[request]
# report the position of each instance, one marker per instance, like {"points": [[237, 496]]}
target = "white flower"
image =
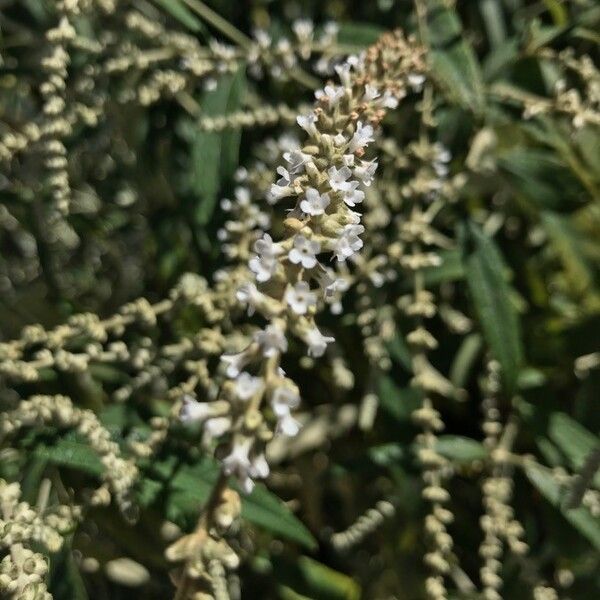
{"points": [[362, 136], [314, 203], [286, 177], [300, 298], [330, 94], [304, 252], [338, 178], [265, 263], [247, 385], [303, 28], [307, 122], [371, 92], [237, 463], [348, 243], [288, 426], [283, 399], [216, 427], [259, 467], [416, 81], [265, 246], [296, 159], [271, 340], [242, 195], [277, 192], [249, 294], [192, 411], [343, 72], [366, 171], [316, 342], [263, 266], [388, 100], [235, 363], [262, 37], [353, 196]]}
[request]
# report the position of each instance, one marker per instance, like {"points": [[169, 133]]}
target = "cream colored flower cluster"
{"points": [[22, 528], [323, 184]]}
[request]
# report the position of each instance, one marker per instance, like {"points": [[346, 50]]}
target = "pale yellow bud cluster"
{"points": [[364, 526], [23, 570], [120, 474]]}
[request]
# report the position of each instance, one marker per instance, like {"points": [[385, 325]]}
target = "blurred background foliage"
{"points": [[146, 184]]}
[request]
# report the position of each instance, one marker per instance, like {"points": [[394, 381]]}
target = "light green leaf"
{"points": [[71, 454], [453, 59], [460, 449], [575, 441], [214, 155], [264, 509], [498, 318], [580, 518], [183, 14], [465, 359], [358, 34]]}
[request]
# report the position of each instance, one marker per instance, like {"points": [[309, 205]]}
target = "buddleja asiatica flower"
{"points": [[289, 280]]}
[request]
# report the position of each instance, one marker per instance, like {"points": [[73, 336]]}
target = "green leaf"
{"points": [[264, 509], [491, 293], [465, 359], [72, 454], [183, 14], [580, 518], [186, 489], [460, 449], [214, 155], [575, 441], [398, 402], [65, 580], [308, 578], [453, 59], [359, 34]]}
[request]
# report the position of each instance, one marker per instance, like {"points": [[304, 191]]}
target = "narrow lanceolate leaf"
{"points": [[185, 489], [576, 442], [182, 13], [460, 449], [453, 59], [491, 293], [214, 155], [580, 518]]}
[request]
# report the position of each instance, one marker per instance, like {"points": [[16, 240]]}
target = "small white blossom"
{"points": [[371, 92], [277, 192], [300, 298], [266, 247], [362, 136], [249, 294], [263, 266], [304, 252], [271, 340], [343, 72], [388, 100], [314, 203], [330, 94], [296, 159], [247, 385], [237, 463], [235, 363], [366, 171], [216, 427], [307, 122], [192, 411], [348, 243], [353, 196], [338, 178], [416, 81], [316, 342]]}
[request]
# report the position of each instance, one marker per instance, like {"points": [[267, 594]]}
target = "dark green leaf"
{"points": [[453, 59], [491, 293], [179, 11], [460, 449], [580, 518]]}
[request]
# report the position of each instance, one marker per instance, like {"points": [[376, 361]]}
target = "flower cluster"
{"points": [[324, 182]]}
